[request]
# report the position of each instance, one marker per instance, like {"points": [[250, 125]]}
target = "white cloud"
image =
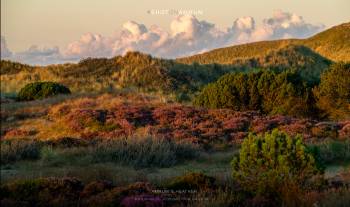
{"points": [[287, 25], [5, 52], [39, 55], [246, 24], [89, 45], [187, 36]]}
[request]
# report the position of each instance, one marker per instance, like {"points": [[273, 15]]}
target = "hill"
{"points": [[133, 70], [147, 73], [332, 44]]}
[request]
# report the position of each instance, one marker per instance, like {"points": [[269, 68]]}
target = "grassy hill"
{"points": [[133, 70], [333, 44], [146, 73]]}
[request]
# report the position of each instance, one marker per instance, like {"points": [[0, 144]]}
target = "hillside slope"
{"points": [[332, 44], [133, 70]]}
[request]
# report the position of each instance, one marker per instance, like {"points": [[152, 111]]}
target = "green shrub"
{"points": [[40, 90], [272, 93], [333, 93], [268, 163]]}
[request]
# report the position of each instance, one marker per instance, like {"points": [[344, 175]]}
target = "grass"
{"points": [[333, 151], [73, 158], [138, 152], [15, 150], [73, 162]]}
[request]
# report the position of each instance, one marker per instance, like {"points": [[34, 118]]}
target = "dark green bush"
{"points": [[333, 93], [272, 93], [40, 90], [268, 164]]}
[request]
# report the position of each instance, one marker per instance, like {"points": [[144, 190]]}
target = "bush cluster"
{"points": [[40, 90], [282, 93], [268, 163], [333, 93], [273, 93]]}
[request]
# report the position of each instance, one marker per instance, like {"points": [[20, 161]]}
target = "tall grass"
{"points": [[15, 150], [143, 152], [332, 151], [134, 151]]}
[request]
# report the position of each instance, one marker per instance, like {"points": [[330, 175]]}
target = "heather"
{"points": [[120, 115]]}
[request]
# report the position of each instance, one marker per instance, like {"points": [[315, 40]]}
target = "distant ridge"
{"points": [[333, 44]]}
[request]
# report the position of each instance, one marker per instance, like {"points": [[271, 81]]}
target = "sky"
{"points": [[55, 31]]}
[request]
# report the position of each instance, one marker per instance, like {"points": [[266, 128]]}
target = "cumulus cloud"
{"points": [[187, 36], [89, 45], [36, 55], [285, 25], [5, 52], [245, 24]]}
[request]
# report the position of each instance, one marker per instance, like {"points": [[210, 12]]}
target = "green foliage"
{"points": [[268, 162], [191, 181], [269, 92], [40, 90], [333, 93]]}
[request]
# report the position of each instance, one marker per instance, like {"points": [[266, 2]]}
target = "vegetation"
{"points": [[333, 93], [332, 43], [16, 150], [127, 114], [136, 152], [331, 151], [191, 181], [271, 93], [270, 162], [277, 107], [9, 67], [40, 90]]}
